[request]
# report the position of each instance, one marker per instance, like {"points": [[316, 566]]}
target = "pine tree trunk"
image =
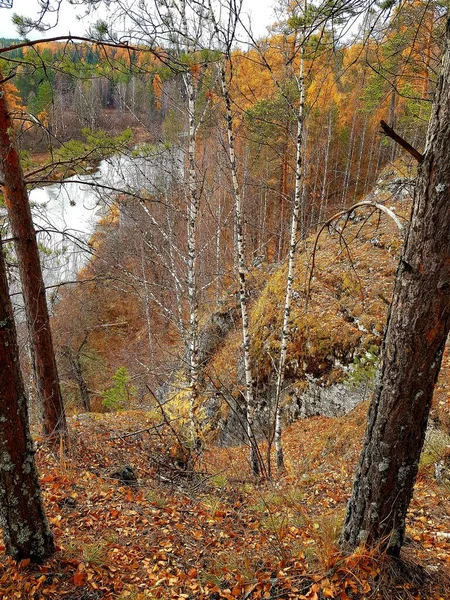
{"points": [[25, 529], [417, 327], [17, 204]]}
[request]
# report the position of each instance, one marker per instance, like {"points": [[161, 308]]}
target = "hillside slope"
{"points": [[132, 519], [340, 301], [213, 533]]}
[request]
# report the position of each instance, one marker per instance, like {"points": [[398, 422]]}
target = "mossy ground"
{"points": [[338, 310]]}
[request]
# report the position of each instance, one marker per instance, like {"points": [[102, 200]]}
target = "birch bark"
{"points": [[296, 213], [192, 217], [243, 296]]}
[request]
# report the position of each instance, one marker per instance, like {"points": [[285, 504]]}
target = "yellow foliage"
{"points": [[43, 117], [13, 98], [157, 90]]}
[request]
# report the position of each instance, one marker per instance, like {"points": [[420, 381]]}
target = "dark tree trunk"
{"points": [[25, 529], [74, 361], [416, 331], [84, 392], [16, 200]]}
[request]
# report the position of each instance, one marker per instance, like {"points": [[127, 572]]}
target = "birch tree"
{"points": [[181, 27], [295, 219], [192, 217], [225, 38], [243, 294]]}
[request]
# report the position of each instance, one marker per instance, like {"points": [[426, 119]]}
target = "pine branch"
{"points": [[400, 141]]}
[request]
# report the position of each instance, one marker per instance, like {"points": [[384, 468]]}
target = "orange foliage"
{"points": [[157, 90], [13, 98]]}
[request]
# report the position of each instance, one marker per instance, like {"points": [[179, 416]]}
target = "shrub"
{"points": [[119, 394], [364, 368]]}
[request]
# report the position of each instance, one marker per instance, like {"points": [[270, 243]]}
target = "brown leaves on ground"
{"points": [[215, 533]]}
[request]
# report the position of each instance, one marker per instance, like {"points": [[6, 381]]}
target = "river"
{"points": [[66, 213]]}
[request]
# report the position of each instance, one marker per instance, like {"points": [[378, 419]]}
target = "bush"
{"points": [[119, 395], [364, 368]]}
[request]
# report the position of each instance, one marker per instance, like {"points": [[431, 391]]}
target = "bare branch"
{"points": [[347, 212], [400, 141]]}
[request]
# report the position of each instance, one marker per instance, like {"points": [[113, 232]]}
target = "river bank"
{"points": [[66, 212]]}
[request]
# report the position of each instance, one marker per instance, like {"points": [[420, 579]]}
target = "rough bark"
{"points": [[17, 204], [25, 529], [417, 327], [74, 360]]}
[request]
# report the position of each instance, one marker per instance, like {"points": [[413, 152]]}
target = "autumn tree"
{"points": [[19, 212], [417, 327], [297, 210], [225, 35], [25, 529]]}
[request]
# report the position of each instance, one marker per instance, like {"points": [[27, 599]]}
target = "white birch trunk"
{"points": [[281, 231], [193, 205], [296, 212], [303, 226], [192, 261], [218, 255], [240, 254]]}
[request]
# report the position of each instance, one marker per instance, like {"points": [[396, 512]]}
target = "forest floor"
{"points": [[217, 533]]}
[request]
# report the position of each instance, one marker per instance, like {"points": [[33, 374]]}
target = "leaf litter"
{"points": [[215, 532]]}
